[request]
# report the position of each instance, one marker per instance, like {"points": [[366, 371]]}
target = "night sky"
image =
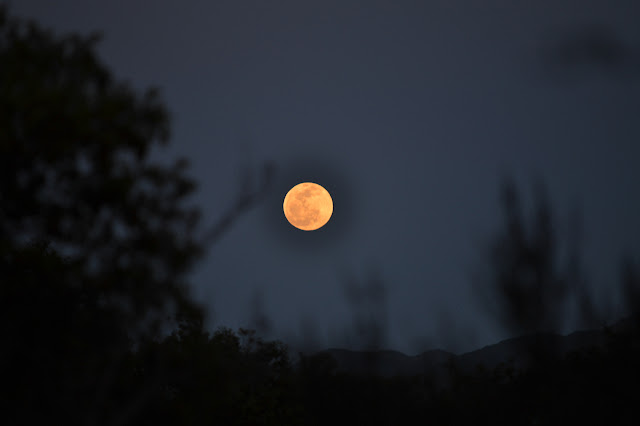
{"points": [[409, 113]]}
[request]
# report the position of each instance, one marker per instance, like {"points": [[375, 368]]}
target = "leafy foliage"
{"points": [[75, 171], [95, 242], [95, 239]]}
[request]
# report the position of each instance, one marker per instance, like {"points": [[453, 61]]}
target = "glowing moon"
{"points": [[308, 206]]}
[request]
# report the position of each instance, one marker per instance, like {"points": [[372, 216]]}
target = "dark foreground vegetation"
{"points": [[97, 326]]}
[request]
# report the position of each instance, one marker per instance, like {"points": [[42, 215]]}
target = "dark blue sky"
{"points": [[409, 113]]}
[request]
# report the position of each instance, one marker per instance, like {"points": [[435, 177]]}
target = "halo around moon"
{"points": [[308, 206]]}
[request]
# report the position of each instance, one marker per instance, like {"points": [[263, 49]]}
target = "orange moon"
{"points": [[308, 206]]}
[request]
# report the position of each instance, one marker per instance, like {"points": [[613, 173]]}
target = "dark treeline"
{"points": [[97, 326]]}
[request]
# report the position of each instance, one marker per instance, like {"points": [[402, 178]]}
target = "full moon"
{"points": [[308, 206]]}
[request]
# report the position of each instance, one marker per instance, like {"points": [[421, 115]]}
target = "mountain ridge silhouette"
{"points": [[516, 352]]}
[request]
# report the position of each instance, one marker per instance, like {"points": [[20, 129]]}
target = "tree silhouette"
{"points": [[95, 237], [75, 172], [529, 286]]}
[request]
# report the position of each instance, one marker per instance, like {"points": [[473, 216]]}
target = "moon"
{"points": [[308, 206]]}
